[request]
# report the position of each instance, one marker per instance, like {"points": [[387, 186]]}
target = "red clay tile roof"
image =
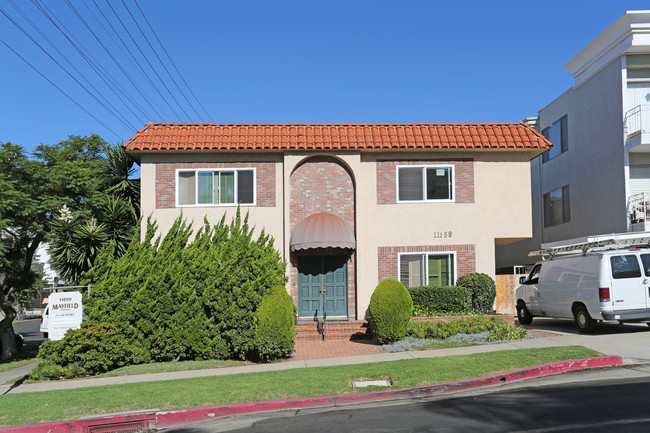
{"points": [[335, 136]]}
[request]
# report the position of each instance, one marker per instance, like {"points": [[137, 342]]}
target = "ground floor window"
{"points": [[424, 269]]}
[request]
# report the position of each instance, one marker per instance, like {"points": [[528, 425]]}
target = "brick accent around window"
{"points": [[387, 178], [322, 184], [389, 256], [166, 180]]}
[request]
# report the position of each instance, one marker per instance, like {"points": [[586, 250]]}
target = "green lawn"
{"points": [[166, 367], [29, 408], [24, 357]]}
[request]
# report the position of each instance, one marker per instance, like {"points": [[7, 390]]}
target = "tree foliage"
{"points": [[186, 295], [32, 190], [108, 218]]}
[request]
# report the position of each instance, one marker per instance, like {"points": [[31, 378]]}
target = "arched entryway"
{"points": [[322, 245]]}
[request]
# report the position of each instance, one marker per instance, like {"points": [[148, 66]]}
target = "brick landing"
{"points": [[306, 349]]}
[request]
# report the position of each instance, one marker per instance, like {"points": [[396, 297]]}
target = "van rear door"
{"points": [[628, 288], [645, 262]]}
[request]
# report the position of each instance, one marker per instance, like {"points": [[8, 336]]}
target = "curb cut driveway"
{"points": [[175, 418]]}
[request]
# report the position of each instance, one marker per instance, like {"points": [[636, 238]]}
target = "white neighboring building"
{"points": [[596, 179], [41, 261]]}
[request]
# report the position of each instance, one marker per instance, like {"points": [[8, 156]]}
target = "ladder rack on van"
{"points": [[593, 243]]}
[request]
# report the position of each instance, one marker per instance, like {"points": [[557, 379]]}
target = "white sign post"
{"points": [[66, 313]]}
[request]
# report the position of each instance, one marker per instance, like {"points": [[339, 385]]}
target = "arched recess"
{"points": [[323, 279]]}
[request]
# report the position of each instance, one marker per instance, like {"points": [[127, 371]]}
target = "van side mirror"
{"points": [[522, 280]]}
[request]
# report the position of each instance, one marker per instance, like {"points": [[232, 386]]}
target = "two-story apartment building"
{"points": [[596, 178], [350, 204]]}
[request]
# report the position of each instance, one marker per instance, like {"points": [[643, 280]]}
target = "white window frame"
{"points": [[218, 169], [426, 262], [452, 175]]}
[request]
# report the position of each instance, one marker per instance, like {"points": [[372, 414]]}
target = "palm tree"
{"points": [[77, 237]]}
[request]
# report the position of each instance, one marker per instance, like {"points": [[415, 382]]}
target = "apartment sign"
{"points": [[66, 313]]}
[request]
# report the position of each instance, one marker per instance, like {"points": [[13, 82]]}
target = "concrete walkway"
{"points": [[606, 344]]}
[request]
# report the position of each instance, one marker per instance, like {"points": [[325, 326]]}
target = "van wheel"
{"points": [[583, 320], [523, 315]]}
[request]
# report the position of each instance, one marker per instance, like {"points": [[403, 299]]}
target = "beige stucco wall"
{"points": [[501, 210], [501, 207], [268, 218]]}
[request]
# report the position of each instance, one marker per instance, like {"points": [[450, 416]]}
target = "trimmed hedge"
{"points": [[483, 289], [390, 310], [275, 326], [441, 299]]}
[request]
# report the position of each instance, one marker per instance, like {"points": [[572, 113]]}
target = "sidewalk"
{"points": [[308, 354]]}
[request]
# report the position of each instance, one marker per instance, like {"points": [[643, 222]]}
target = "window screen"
{"points": [[410, 183], [186, 188], [439, 183], [245, 186]]}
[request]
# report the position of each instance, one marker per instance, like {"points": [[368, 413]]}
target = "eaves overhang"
{"points": [[630, 34]]}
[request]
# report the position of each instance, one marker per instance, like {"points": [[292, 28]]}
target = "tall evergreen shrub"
{"points": [[275, 326], [185, 296]]}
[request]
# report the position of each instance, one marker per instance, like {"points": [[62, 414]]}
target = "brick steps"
{"points": [[335, 330]]}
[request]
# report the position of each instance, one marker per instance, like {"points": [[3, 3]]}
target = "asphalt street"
{"points": [[577, 402], [30, 330]]}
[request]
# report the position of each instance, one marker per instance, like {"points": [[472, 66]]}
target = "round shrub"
{"points": [[390, 310], [95, 348], [483, 289], [275, 326]]}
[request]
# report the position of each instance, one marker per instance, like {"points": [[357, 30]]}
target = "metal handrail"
{"points": [[637, 208], [637, 119]]}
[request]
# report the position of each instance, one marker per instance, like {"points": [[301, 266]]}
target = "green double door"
{"points": [[322, 286]]}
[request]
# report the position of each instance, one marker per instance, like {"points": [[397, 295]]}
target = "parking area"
{"points": [[630, 341]]}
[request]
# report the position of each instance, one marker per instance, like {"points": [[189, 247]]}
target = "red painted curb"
{"points": [[175, 418]]}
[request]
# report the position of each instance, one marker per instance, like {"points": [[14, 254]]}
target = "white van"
{"points": [[601, 279], [45, 322]]}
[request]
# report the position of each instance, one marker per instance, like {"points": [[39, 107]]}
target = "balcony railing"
{"points": [[638, 208], [637, 120]]}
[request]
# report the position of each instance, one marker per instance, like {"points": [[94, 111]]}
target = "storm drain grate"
{"points": [[122, 427]]}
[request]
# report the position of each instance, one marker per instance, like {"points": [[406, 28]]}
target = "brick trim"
{"points": [[322, 184], [388, 258], [387, 178], [166, 180]]}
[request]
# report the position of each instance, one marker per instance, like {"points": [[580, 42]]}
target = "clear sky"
{"points": [[288, 61]]}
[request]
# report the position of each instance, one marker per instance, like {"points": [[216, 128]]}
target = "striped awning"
{"points": [[322, 230]]}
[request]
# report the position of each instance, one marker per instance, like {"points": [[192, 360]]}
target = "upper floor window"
{"points": [[227, 186], [425, 183], [557, 134], [556, 207]]}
